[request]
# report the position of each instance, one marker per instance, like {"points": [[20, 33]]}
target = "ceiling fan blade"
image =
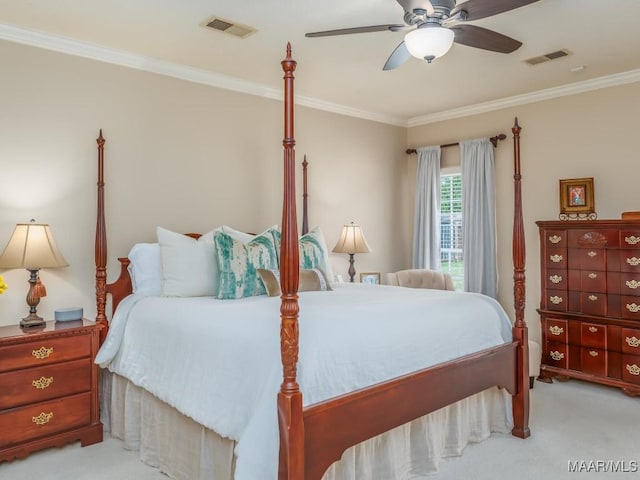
{"points": [[411, 5], [346, 31], [398, 57], [485, 39], [477, 9]]}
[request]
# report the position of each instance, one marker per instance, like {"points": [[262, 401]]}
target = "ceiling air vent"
{"points": [[232, 28], [547, 56]]}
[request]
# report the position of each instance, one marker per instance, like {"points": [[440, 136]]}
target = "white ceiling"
{"points": [[346, 71]]}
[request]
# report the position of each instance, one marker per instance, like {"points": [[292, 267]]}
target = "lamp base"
{"points": [[32, 321]]}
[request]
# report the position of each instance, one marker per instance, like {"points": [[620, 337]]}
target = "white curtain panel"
{"points": [[426, 220], [478, 216]]}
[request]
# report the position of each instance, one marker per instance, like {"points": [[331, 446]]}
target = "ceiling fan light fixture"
{"points": [[429, 42]]}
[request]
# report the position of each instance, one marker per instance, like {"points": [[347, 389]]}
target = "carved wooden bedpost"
{"points": [[305, 212], [521, 399], [290, 420], [101, 245]]}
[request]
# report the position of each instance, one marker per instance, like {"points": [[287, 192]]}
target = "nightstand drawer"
{"points": [[43, 383], [46, 418], [44, 352]]}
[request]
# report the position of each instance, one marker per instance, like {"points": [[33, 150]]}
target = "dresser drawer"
{"points": [[630, 307], [594, 361], [593, 335], [37, 384], [27, 423], [587, 259], [556, 258], [557, 355], [631, 368], [44, 352], [629, 261], [593, 281], [629, 238], [556, 330], [593, 303], [630, 283], [555, 238], [630, 341], [556, 279], [556, 300]]}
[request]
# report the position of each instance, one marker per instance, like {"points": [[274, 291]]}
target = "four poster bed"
{"points": [[344, 426]]}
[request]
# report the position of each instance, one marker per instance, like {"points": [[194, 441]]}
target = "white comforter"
{"points": [[218, 361]]}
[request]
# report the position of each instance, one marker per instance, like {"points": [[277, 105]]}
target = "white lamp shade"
{"points": [[427, 43], [32, 247], [351, 240]]}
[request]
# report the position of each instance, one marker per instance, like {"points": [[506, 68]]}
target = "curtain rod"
{"points": [[493, 140]]}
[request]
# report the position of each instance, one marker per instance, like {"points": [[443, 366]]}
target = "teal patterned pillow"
{"points": [[314, 252], [238, 264]]}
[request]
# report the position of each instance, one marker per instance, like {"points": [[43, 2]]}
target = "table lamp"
{"points": [[351, 241], [32, 247]]}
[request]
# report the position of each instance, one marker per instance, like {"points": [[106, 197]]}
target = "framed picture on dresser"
{"points": [[577, 196]]}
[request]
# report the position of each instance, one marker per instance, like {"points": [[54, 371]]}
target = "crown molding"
{"points": [[614, 80], [182, 72]]}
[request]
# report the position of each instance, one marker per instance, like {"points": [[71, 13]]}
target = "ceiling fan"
{"points": [[438, 24]]}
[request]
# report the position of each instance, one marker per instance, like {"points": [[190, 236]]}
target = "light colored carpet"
{"points": [[570, 422]]}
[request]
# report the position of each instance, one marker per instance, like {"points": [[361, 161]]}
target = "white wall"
{"points": [[178, 154]]}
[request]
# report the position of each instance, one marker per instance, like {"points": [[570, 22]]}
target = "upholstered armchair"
{"points": [[418, 278], [423, 278]]}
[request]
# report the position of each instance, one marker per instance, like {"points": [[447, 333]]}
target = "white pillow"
{"points": [[145, 269], [189, 267], [243, 236]]}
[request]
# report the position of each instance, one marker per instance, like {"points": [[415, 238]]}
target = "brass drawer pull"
{"points": [[42, 383], [555, 239], [632, 240], [632, 342], [557, 258], [593, 276], [593, 298], [555, 300], [555, 279], [633, 261], [593, 329], [633, 284], [633, 369], [633, 308], [555, 330], [556, 355], [592, 254], [42, 418], [42, 353], [593, 353]]}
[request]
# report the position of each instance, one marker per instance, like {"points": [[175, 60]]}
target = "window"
{"points": [[451, 254]]}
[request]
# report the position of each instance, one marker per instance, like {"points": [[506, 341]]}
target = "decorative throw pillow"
{"points": [[247, 237], [310, 281], [145, 269], [314, 252], [239, 262], [188, 265]]}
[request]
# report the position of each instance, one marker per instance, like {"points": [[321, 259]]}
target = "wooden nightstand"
{"points": [[48, 387]]}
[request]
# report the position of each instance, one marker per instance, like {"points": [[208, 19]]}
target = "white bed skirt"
{"points": [[185, 450]]}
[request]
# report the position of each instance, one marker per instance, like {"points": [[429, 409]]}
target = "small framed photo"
{"points": [[372, 278], [576, 196]]}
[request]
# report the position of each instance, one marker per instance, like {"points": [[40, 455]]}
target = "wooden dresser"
{"points": [[48, 387], [590, 305]]}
